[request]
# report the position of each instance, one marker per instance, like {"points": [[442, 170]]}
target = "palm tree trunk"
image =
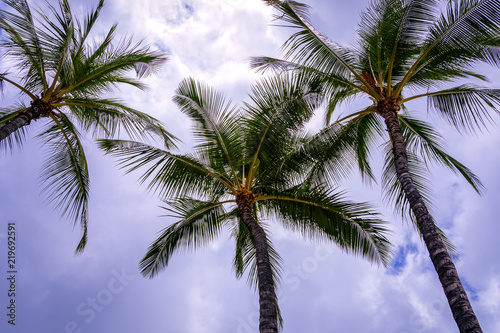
{"points": [[268, 321], [457, 297], [36, 111]]}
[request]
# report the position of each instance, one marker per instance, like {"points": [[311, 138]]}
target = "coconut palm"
{"points": [[407, 50], [62, 74], [250, 164]]}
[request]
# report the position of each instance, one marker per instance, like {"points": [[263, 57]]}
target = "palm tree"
{"points": [[63, 74], [249, 164], [407, 50]]}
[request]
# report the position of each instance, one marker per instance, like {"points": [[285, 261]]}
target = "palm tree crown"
{"points": [[407, 50], [250, 164], [63, 74]]}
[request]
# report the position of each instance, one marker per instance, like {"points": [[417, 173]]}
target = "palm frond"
{"points": [[22, 42], [100, 72], [322, 214], [412, 25], [4, 79], [337, 97], [466, 107], [326, 157], [87, 57], [200, 222], [445, 67], [491, 51], [280, 107], [367, 129], [308, 46], [335, 150], [88, 23], [469, 26], [106, 117], [279, 66], [65, 173], [217, 125], [464, 23], [167, 174], [390, 32], [276, 66], [422, 140], [336, 88]]}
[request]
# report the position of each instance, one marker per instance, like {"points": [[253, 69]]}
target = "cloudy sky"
{"points": [[323, 289]]}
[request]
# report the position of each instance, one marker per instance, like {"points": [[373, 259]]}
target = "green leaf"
{"points": [[200, 222], [466, 107], [167, 174], [308, 46], [107, 117], [322, 214], [390, 31], [217, 126], [65, 174], [465, 31], [280, 107], [423, 140]]}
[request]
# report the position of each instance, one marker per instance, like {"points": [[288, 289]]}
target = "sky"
{"points": [[322, 290]]}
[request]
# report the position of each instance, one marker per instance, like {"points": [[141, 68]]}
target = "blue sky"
{"points": [[323, 289]]}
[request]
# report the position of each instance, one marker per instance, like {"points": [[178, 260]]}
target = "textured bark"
{"points": [[37, 110], [268, 321], [457, 297]]}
